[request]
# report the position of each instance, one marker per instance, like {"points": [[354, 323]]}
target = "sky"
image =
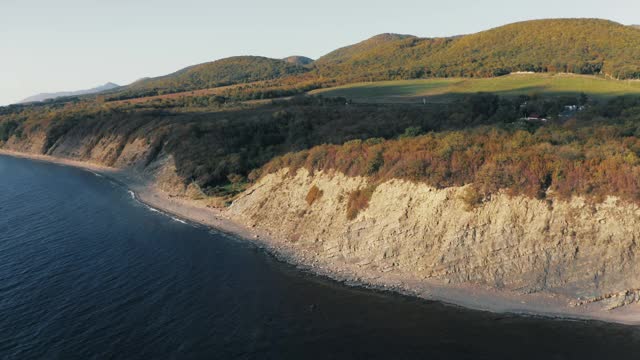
{"points": [[63, 45]]}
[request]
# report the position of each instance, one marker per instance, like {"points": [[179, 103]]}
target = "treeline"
{"points": [[262, 91], [193, 102]]}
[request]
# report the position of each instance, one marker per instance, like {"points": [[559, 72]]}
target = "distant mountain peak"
{"points": [[50, 96], [390, 37], [298, 60]]}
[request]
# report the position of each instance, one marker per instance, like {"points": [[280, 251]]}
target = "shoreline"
{"points": [[468, 296]]}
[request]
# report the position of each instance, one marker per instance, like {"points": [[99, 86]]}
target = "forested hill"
{"points": [[375, 45], [229, 71], [581, 46], [584, 46]]}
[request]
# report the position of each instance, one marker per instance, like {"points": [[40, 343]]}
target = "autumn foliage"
{"points": [[359, 200], [554, 161], [314, 194]]}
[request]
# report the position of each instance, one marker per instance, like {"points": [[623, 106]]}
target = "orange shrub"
{"points": [[359, 200], [593, 161], [314, 194]]}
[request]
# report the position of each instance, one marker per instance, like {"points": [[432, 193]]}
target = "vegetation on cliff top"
{"points": [[595, 155]]}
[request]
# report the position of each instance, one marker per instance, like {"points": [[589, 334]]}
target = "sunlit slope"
{"points": [[442, 90], [581, 46], [229, 71]]}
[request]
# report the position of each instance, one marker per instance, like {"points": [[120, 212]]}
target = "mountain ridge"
{"points": [[579, 46], [583, 46], [222, 72], [49, 96]]}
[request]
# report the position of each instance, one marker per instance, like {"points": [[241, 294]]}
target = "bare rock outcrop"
{"points": [[574, 248]]}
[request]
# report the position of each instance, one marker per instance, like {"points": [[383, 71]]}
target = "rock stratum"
{"points": [[581, 252], [586, 252]]}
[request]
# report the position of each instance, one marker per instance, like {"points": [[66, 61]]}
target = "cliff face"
{"points": [[32, 144], [571, 248], [113, 150], [133, 153]]}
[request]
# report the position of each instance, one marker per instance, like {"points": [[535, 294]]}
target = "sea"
{"points": [[89, 272]]}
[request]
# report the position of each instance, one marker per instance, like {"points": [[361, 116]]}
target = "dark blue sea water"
{"points": [[87, 272]]}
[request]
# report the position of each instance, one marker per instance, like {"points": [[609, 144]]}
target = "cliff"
{"points": [[581, 251], [130, 152]]}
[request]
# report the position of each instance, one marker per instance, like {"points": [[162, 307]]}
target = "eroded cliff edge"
{"points": [[583, 251]]}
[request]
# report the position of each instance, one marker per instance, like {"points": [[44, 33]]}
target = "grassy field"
{"points": [[444, 90]]}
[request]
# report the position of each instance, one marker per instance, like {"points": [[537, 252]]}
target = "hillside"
{"points": [[582, 46], [229, 71], [47, 96], [378, 44], [579, 46]]}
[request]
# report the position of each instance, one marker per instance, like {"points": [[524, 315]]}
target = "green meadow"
{"points": [[444, 90]]}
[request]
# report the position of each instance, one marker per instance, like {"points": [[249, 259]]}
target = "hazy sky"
{"points": [[48, 45]]}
